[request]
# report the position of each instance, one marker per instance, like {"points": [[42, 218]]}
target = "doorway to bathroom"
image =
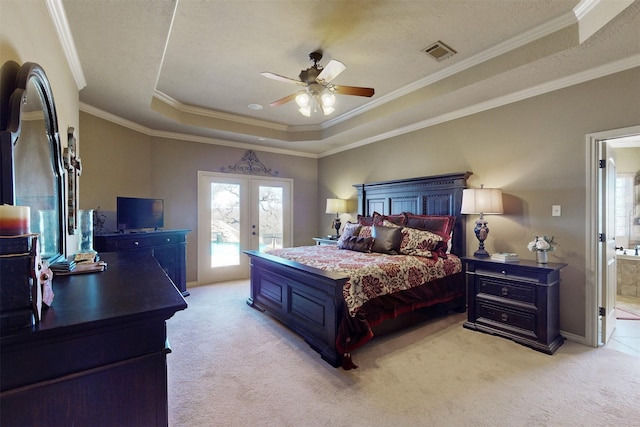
{"points": [[603, 149]]}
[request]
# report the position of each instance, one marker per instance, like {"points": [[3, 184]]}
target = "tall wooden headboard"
{"points": [[429, 195]]}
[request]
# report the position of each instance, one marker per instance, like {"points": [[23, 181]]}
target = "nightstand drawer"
{"points": [[506, 319], [506, 270], [507, 289]]}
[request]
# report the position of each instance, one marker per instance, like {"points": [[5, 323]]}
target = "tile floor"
{"points": [[626, 337]]}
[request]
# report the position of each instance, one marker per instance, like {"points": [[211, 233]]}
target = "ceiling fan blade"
{"points": [[353, 90], [331, 71], [282, 78], [284, 100]]}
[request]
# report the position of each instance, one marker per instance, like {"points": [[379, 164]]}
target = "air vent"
{"points": [[439, 51]]}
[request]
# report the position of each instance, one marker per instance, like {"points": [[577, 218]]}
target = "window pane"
{"points": [[225, 224], [270, 216]]}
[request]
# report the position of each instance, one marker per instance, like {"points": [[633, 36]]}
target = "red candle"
{"points": [[14, 220]]}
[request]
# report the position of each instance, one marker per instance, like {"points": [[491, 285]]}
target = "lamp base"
{"points": [[337, 224], [481, 231], [481, 253]]}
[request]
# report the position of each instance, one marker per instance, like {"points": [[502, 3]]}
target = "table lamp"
{"points": [[481, 201], [336, 206]]}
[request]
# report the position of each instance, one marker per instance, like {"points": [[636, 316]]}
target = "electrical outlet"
{"points": [[556, 210]]}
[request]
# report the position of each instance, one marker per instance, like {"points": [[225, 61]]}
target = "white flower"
{"points": [[541, 243]]}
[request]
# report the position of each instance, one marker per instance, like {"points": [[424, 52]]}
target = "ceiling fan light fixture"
{"points": [[305, 111], [327, 110], [302, 100], [328, 99]]}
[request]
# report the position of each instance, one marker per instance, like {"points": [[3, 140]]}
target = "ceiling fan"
{"points": [[317, 82]]}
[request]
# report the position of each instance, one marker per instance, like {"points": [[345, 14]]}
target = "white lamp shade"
{"points": [[302, 99], [336, 206], [482, 201]]}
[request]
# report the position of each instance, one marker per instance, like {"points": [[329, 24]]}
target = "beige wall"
{"points": [[627, 159], [27, 34], [121, 162], [534, 150]]}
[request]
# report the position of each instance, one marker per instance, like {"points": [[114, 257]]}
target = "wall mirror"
{"points": [[32, 173]]}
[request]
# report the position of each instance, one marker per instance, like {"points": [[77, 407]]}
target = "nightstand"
{"points": [[519, 301], [325, 241]]}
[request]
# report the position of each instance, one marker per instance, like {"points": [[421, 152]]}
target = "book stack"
{"points": [[63, 266], [505, 257]]}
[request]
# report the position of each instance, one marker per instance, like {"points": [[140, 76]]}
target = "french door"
{"points": [[607, 253], [238, 213]]}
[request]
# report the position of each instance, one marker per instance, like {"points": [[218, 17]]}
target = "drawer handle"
{"points": [[505, 317], [504, 272], [168, 239], [136, 243], [505, 291]]}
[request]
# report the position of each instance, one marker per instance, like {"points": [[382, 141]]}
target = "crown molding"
{"points": [[59, 18], [186, 137], [218, 115], [584, 76]]}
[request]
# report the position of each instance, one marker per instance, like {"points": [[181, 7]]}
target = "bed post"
{"points": [[361, 198]]}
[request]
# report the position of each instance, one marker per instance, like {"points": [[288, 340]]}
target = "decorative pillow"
{"points": [[365, 220], [355, 243], [388, 223], [419, 242], [386, 240], [398, 219], [365, 231], [442, 225], [350, 230]]}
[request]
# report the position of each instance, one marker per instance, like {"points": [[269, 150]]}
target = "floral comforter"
{"points": [[372, 274]]}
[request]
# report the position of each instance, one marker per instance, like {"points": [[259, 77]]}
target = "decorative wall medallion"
{"points": [[249, 165]]}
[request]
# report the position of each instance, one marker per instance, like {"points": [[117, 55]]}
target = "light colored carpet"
{"points": [[234, 366]]}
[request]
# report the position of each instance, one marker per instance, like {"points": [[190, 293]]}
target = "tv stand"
{"points": [[167, 246]]}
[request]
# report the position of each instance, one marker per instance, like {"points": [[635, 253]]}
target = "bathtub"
{"points": [[630, 254], [628, 272]]}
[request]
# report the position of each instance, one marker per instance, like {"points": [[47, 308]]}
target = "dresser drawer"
{"points": [[512, 290], [167, 240], [125, 244], [506, 318]]}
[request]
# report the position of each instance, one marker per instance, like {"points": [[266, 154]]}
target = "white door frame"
{"points": [[593, 265]]}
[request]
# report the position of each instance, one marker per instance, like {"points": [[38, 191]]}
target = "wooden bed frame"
{"points": [[309, 300]]}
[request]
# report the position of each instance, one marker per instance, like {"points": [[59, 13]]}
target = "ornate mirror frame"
{"points": [[30, 154]]}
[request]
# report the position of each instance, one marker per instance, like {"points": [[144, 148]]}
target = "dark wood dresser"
{"points": [[98, 358], [167, 246], [517, 300]]}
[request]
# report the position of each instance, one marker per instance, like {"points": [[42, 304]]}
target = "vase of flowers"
{"points": [[541, 245]]}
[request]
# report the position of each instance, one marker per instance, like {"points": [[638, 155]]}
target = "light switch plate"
{"points": [[556, 210]]}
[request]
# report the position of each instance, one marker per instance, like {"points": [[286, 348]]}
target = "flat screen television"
{"points": [[134, 213]]}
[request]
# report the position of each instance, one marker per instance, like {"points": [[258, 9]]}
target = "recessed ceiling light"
{"points": [[255, 107]]}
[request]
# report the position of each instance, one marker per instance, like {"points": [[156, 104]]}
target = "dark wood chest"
{"points": [[519, 301], [167, 246]]}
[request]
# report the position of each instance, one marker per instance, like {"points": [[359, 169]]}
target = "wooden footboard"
{"points": [[306, 299]]}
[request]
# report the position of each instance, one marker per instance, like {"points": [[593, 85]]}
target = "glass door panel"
{"points": [[225, 224], [238, 213]]}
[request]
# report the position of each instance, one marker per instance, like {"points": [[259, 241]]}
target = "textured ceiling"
{"points": [[193, 67]]}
